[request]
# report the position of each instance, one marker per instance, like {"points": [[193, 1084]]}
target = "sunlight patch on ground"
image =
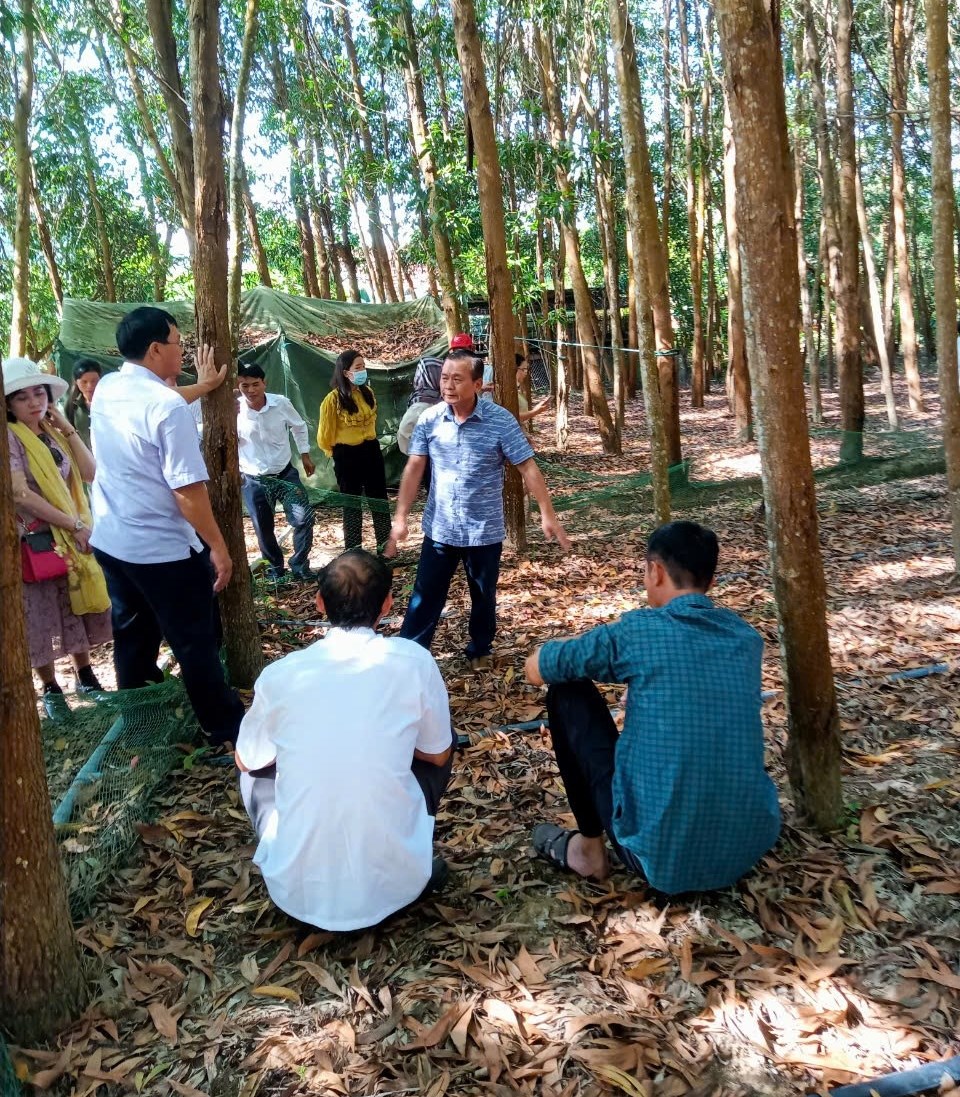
{"points": [[728, 468]]}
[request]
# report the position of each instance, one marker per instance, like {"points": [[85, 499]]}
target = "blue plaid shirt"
{"points": [[691, 798], [465, 505]]}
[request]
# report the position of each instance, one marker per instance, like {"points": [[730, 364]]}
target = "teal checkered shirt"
{"points": [[691, 798]]}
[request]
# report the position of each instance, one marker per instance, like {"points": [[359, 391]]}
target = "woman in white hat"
{"points": [[67, 613]]}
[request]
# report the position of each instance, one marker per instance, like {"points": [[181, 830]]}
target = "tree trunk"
{"points": [[20, 314], [41, 982], [237, 171], [381, 260], [923, 307], [667, 133], [655, 261], [750, 41], [46, 241], [876, 308], [738, 374], [587, 334], [99, 218], [453, 311], [944, 260], [693, 229], [849, 363], [898, 200], [806, 311], [160, 20], [631, 122], [253, 231], [562, 386], [499, 287], [241, 637]]}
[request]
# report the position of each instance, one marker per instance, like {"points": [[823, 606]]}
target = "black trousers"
{"points": [[261, 494], [584, 742], [172, 601], [360, 471]]}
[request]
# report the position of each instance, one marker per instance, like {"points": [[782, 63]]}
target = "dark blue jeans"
{"points": [[438, 562], [261, 494], [172, 601]]}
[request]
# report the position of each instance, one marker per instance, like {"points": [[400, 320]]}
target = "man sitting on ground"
{"points": [[682, 793], [344, 756]]}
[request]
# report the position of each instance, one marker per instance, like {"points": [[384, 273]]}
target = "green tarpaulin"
{"points": [[294, 367]]}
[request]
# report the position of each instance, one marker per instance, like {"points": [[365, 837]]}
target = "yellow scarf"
{"points": [[85, 582]]}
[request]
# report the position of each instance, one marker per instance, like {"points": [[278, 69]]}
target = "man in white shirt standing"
{"points": [[154, 534], [344, 756], [265, 422]]}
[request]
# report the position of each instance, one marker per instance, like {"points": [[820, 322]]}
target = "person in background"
{"points": [[525, 412], [49, 463], [86, 376], [265, 424], [347, 432], [682, 792], [344, 756], [468, 441], [155, 535]]}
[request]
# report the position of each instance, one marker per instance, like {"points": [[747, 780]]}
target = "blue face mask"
{"points": [[360, 377]]}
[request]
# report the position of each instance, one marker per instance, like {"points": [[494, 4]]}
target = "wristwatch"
{"points": [[78, 525]]}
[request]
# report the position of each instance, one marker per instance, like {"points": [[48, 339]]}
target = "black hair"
{"points": [[251, 371], [75, 398], [354, 586], [688, 551], [141, 327], [11, 418], [461, 354], [344, 386], [519, 360]]}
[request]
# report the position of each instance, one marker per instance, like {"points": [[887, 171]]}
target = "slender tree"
{"points": [[499, 285], [750, 40], [944, 258], [241, 637], [20, 318], [628, 84], [738, 375], [235, 258], [41, 984]]}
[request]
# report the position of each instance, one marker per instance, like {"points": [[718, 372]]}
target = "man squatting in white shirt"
{"points": [[264, 421], [343, 804]]}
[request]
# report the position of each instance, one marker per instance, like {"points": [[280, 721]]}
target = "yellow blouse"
{"points": [[345, 428]]}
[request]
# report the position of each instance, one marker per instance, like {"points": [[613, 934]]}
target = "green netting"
{"points": [[9, 1084], [105, 759], [287, 329]]}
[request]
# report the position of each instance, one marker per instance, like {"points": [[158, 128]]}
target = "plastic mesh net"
{"points": [[105, 759]]}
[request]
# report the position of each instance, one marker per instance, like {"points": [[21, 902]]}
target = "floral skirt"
{"points": [[53, 629]]}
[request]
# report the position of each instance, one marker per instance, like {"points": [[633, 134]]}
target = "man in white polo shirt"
{"points": [[155, 536], [265, 422], [344, 756]]}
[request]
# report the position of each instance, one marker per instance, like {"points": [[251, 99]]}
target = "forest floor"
{"points": [[836, 960]]}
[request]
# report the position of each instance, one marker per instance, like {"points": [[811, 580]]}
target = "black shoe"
{"points": [[438, 878], [87, 683], [305, 575]]}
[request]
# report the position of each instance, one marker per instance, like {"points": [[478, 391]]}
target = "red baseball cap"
{"points": [[462, 341]]}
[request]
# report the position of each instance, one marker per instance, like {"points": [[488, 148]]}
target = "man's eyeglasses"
{"points": [[171, 342]]}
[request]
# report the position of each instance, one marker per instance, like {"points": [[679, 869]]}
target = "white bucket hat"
{"points": [[21, 373]]}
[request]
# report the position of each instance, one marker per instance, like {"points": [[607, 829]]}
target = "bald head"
{"points": [[353, 588]]}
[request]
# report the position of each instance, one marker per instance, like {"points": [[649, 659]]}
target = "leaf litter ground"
{"points": [[836, 960]]}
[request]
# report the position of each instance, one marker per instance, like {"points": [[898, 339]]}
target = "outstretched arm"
{"points": [[534, 482]]}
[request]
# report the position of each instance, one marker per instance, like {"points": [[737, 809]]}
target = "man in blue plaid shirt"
{"points": [[682, 793]]}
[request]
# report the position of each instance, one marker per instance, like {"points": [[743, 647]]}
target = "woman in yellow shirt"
{"points": [[348, 433]]}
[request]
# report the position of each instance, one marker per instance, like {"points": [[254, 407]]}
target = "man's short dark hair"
{"points": [[141, 327], [251, 371], [688, 551], [519, 360], [462, 355], [354, 586]]}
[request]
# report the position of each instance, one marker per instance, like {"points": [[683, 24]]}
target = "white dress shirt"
{"points": [[264, 445], [350, 840], [145, 442]]}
